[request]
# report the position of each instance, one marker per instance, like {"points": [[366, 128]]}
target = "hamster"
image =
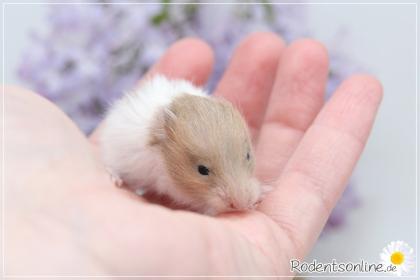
{"points": [[171, 138]]}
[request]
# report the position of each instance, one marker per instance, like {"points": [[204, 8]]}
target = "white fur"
{"points": [[125, 137]]}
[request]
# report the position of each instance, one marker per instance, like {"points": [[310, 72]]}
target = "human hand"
{"points": [[64, 217]]}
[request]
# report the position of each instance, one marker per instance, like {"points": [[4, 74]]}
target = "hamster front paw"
{"points": [[115, 179]]}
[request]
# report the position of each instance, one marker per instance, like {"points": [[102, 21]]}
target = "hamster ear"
{"points": [[164, 118], [169, 116]]}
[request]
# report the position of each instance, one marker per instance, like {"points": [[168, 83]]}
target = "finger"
{"points": [[298, 95], [316, 175], [189, 59], [250, 75]]}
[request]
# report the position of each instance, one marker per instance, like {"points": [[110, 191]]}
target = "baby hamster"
{"points": [[169, 137]]}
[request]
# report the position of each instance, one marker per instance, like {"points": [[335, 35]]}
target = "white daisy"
{"points": [[399, 254]]}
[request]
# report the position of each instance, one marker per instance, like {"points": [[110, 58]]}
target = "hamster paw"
{"points": [[115, 179]]}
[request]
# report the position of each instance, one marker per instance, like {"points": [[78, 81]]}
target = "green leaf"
{"points": [[163, 15]]}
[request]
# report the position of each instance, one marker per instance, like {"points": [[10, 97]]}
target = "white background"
{"points": [[382, 38]]}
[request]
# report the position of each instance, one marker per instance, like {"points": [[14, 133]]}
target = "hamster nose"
{"points": [[239, 207], [255, 205]]}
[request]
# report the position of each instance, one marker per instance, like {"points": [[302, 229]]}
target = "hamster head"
{"points": [[208, 153]]}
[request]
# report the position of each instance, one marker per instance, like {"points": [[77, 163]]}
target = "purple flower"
{"points": [[91, 54], [348, 201]]}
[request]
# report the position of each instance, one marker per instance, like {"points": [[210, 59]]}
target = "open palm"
{"points": [[64, 217]]}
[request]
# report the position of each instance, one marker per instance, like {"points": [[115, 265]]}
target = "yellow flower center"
{"points": [[397, 258]]}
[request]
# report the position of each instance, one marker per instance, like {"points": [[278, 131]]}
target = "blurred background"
{"points": [[84, 56]]}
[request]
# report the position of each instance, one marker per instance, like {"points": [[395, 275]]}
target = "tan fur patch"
{"points": [[204, 131]]}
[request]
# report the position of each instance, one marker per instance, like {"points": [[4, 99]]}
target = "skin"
{"points": [[64, 216]]}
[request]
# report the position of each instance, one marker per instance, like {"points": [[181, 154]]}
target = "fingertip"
{"points": [[189, 58], [310, 52], [194, 47], [367, 84], [260, 50], [258, 53], [263, 43], [353, 106], [361, 88]]}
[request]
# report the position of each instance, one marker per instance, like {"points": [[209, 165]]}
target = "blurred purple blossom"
{"points": [[338, 217], [91, 54]]}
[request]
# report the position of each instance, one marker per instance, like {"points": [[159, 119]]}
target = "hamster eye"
{"points": [[203, 170], [248, 157]]}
